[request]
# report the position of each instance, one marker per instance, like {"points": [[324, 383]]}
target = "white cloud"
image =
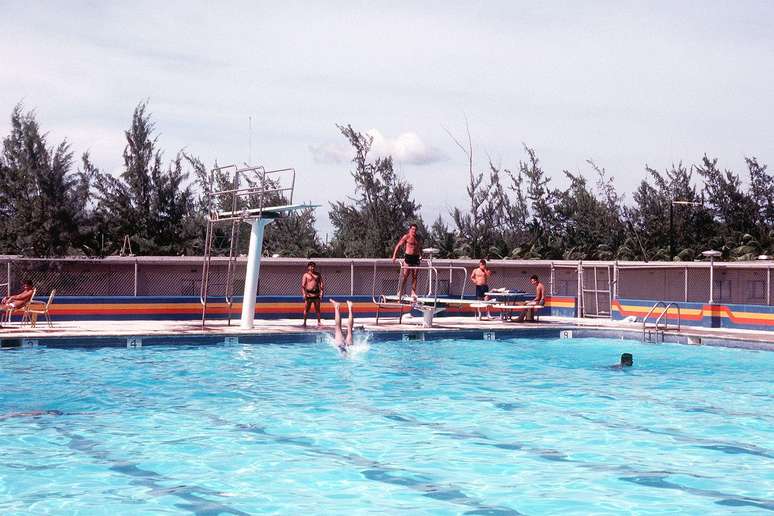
{"points": [[407, 147], [330, 153]]}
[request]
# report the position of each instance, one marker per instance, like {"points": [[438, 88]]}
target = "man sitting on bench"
{"points": [[529, 314]]}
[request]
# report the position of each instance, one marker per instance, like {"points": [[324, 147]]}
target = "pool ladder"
{"points": [[656, 332]]}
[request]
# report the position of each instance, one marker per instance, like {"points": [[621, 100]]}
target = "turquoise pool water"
{"points": [[478, 427]]}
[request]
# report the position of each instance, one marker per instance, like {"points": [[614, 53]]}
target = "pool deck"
{"points": [[292, 327]]}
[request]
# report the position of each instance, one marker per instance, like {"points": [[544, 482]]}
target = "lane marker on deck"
{"points": [[134, 342]]}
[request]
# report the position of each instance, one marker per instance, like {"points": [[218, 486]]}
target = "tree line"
{"points": [[52, 204]]}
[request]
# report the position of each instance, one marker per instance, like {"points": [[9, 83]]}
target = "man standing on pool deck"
{"points": [[342, 342], [312, 290], [411, 258], [480, 278], [538, 301]]}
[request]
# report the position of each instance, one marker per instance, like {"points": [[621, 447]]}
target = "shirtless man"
{"points": [[312, 290], [480, 278], [19, 300], [343, 342], [411, 258], [540, 290]]}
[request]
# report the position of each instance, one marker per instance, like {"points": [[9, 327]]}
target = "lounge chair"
{"points": [[36, 308]]}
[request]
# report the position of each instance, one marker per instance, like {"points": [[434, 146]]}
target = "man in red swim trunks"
{"points": [[411, 258]]}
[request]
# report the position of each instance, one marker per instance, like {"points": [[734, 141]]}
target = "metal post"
{"points": [[580, 288], [135, 277], [253, 270], [768, 286], [610, 287], [596, 292], [712, 279], [351, 278], [551, 279], [8, 274], [685, 283]]}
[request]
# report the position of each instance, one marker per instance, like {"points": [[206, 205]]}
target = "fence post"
{"points": [[551, 280], [351, 278], [685, 281], [580, 288], [8, 275], [768, 285], [135, 277]]}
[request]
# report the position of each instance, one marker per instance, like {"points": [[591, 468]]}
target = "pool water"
{"points": [[449, 426]]}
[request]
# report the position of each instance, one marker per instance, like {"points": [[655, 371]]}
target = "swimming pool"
{"points": [[528, 426]]}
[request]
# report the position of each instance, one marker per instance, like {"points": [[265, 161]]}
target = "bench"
{"points": [[506, 311]]}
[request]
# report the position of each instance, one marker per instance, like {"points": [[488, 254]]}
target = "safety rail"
{"points": [[381, 300], [665, 312]]}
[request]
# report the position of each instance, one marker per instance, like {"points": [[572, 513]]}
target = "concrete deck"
{"points": [[140, 328]]}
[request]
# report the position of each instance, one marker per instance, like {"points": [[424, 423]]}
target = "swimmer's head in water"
{"points": [[627, 360]]}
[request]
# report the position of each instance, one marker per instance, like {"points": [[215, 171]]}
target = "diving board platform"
{"points": [[430, 306], [268, 212], [266, 196]]}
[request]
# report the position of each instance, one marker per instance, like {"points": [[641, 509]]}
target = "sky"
{"points": [[622, 83]]}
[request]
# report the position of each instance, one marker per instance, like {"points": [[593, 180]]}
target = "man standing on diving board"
{"points": [[411, 258]]}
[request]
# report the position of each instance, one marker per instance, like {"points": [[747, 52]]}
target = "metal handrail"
{"points": [[431, 270], [650, 312], [666, 312]]}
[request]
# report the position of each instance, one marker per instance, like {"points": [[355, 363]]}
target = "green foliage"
{"points": [[43, 202], [370, 223], [150, 203]]}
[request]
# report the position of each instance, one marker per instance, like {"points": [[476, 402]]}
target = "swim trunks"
{"points": [[412, 260], [481, 290], [312, 293]]}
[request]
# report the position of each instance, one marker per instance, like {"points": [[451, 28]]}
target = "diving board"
{"points": [[430, 306]]}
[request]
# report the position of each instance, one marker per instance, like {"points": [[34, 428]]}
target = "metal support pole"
{"points": [[768, 286], [685, 284], [135, 277], [253, 270], [596, 294], [580, 289], [8, 274], [551, 280], [351, 278], [712, 280], [610, 287]]}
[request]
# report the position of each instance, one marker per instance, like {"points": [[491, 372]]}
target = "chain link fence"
{"points": [[737, 283]]}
